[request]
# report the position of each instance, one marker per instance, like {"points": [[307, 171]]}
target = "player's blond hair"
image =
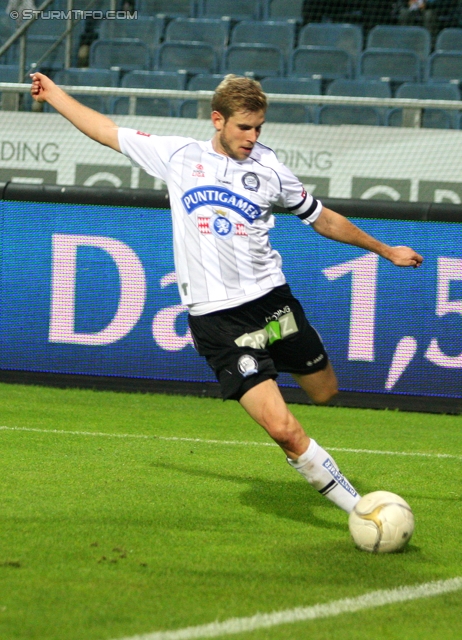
{"points": [[237, 93]]}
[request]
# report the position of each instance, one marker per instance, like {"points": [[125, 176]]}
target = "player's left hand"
{"points": [[404, 257]]}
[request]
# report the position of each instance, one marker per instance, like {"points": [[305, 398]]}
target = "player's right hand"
{"points": [[41, 86]]}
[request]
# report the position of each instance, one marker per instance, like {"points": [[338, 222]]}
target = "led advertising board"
{"points": [[91, 289]]}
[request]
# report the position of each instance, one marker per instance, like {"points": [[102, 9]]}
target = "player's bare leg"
{"points": [[321, 386], [265, 404]]}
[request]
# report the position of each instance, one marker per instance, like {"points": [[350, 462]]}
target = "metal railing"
{"points": [[412, 109], [21, 35]]}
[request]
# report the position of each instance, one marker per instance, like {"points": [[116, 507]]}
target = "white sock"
{"points": [[321, 471]]}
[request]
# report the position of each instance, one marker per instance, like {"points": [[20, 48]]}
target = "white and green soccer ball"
{"points": [[381, 522]]}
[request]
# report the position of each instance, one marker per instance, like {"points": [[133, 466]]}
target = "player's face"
{"points": [[237, 136]]}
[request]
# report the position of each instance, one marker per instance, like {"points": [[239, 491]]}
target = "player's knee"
{"points": [[324, 395], [284, 430]]}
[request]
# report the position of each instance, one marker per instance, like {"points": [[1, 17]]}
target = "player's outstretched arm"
{"points": [[93, 124], [336, 227]]}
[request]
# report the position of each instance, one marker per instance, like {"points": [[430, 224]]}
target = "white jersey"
{"points": [[221, 212]]}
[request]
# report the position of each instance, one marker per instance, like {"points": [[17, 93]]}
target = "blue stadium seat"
{"points": [[175, 80], [7, 27], [188, 109], [431, 119], [170, 8], [428, 91], [98, 103], [323, 62], [445, 66], [47, 27], [37, 46], [200, 82], [409, 38], [359, 88], [158, 107], [293, 86], [148, 29], [288, 113], [283, 10], [212, 31], [346, 114], [9, 72], [260, 60], [449, 39], [154, 80], [125, 53], [280, 34], [193, 57], [235, 9], [396, 65], [347, 37], [87, 77], [205, 81]]}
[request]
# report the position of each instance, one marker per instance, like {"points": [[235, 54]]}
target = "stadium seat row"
{"points": [[324, 50], [277, 112], [259, 60], [236, 9]]}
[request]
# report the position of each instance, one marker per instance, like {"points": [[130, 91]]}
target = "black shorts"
{"points": [[251, 343]]}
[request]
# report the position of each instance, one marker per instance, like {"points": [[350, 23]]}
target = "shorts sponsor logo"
{"points": [[273, 331], [335, 473], [198, 171], [220, 197], [310, 363], [277, 314], [250, 181], [247, 365]]}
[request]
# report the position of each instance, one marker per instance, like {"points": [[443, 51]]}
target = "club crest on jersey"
{"points": [[220, 197], [221, 227], [198, 171], [250, 181]]}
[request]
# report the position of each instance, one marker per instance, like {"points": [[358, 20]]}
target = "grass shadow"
{"points": [[283, 499]]}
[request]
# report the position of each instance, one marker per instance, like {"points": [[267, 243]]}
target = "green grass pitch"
{"points": [[127, 514]]}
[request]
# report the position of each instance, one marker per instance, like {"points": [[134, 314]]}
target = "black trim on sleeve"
{"points": [[297, 206], [309, 211]]}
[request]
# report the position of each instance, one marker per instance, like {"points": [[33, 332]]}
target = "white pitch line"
{"points": [[139, 436], [301, 614]]}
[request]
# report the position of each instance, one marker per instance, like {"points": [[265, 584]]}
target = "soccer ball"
{"points": [[381, 522]]}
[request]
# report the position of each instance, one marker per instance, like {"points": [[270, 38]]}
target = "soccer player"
{"points": [[242, 314]]}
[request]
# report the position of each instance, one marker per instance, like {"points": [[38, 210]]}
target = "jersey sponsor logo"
{"points": [[203, 224], [250, 181], [247, 365], [198, 171], [141, 133], [335, 473], [221, 197]]}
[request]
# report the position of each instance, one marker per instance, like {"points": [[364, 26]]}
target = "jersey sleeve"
{"points": [[150, 152], [295, 198]]}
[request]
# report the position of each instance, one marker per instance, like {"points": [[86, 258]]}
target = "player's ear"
{"points": [[218, 120]]}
